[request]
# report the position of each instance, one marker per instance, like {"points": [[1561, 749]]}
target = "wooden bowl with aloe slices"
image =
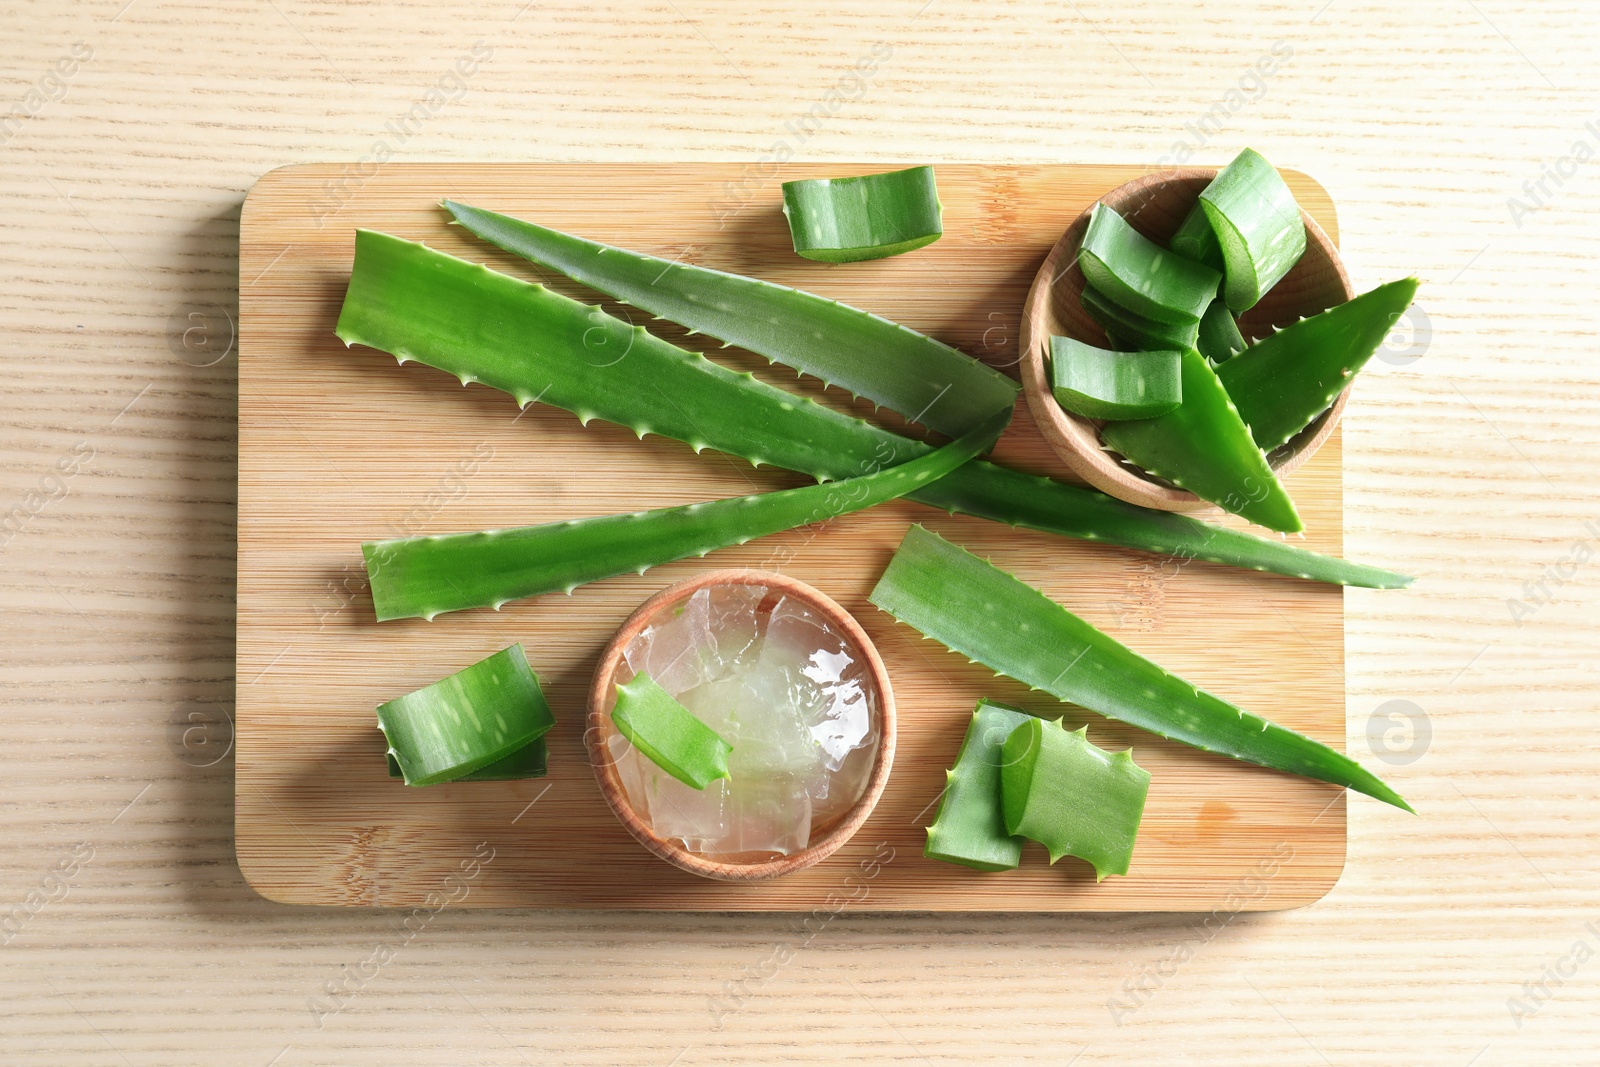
{"points": [[615, 679], [1157, 206]]}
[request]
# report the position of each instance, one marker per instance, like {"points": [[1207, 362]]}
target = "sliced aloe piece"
{"points": [[970, 827], [870, 216], [1196, 240], [1071, 796], [1258, 225], [1098, 384], [480, 325], [668, 733], [1219, 339], [425, 576], [974, 608], [1203, 446], [1282, 382], [921, 378], [1130, 332], [469, 720], [530, 761], [1141, 276]]}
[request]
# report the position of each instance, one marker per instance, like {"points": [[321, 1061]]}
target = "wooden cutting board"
{"points": [[338, 446]]}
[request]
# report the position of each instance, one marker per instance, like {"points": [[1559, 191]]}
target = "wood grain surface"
{"points": [[130, 935], [338, 446]]}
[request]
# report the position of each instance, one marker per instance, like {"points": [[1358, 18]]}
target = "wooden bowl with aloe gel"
{"points": [[827, 777], [1156, 205]]}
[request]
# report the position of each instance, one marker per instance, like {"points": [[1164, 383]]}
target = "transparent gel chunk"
{"points": [[786, 691]]}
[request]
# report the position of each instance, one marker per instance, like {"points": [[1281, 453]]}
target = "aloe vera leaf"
{"points": [[466, 721], [1134, 332], [425, 576], [1196, 240], [921, 378], [868, 216], [423, 305], [522, 338], [1071, 796], [1258, 225], [1282, 382], [974, 608], [1219, 339], [1098, 384], [668, 733], [1141, 276], [529, 761], [1203, 446], [970, 826]]}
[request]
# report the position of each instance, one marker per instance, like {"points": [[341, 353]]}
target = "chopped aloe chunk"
{"points": [[529, 761], [1196, 239], [870, 216], [1219, 339], [1257, 222], [467, 721], [1130, 332], [668, 733], [1072, 797], [970, 827], [1140, 275], [1097, 384], [1205, 447], [1282, 382]]}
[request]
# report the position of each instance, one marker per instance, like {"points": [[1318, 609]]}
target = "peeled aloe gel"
{"points": [[970, 827], [1072, 797]]}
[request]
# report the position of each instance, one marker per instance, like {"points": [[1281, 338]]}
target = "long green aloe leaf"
{"points": [[471, 719], [905, 371], [1204, 447], [974, 608], [866, 216], [970, 827], [424, 576], [1073, 797], [1282, 382], [479, 325]]}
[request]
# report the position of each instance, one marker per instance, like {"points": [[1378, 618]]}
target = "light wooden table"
{"points": [[121, 175]]}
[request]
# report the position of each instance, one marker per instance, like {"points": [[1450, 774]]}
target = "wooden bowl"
{"points": [[602, 697], [1155, 205]]}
